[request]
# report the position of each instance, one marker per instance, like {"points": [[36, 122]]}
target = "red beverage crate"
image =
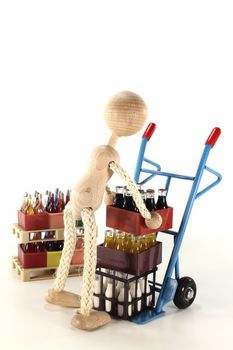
{"points": [[40, 221], [56, 220], [134, 264], [30, 260], [33, 222], [77, 258], [129, 221]]}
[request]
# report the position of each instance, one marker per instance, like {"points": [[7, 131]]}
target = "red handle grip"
{"points": [[149, 131], [213, 137]]}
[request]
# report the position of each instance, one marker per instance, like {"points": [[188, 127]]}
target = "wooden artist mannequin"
{"points": [[125, 114]]}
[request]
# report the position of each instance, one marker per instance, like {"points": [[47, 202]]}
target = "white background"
{"points": [[59, 62]]}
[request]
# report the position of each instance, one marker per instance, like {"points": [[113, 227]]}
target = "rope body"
{"points": [[116, 168], [68, 249], [90, 258]]}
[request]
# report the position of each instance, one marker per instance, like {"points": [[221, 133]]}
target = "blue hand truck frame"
{"points": [[167, 290]]}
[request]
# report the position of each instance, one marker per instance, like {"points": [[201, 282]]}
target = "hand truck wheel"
{"points": [[185, 292]]}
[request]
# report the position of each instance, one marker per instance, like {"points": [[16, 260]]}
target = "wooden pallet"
{"points": [[24, 236], [42, 273]]}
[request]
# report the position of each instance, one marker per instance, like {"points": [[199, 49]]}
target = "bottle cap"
{"points": [[162, 191], [120, 189]]}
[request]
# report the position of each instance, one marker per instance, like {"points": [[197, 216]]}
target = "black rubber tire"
{"points": [[185, 293]]}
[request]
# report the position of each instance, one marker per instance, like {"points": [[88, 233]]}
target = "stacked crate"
{"points": [[129, 268], [43, 263]]}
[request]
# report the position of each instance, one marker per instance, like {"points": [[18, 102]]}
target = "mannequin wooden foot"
{"points": [[63, 298], [95, 320]]}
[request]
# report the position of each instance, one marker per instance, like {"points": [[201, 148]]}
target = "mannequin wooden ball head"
{"points": [[125, 114]]}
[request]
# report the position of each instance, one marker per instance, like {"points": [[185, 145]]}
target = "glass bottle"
{"points": [[39, 208], [52, 208], [150, 200], [128, 241], [121, 302], [80, 238], [35, 202], [25, 247], [80, 232], [60, 204], [36, 236], [45, 200], [119, 284], [143, 243], [129, 203], [135, 248], [151, 239], [136, 293], [143, 195], [119, 198], [67, 196], [63, 201], [97, 290], [59, 245], [162, 200], [38, 247], [48, 201], [120, 241], [49, 234], [78, 223], [24, 203], [50, 246], [114, 238], [145, 289], [29, 248], [109, 296], [29, 210], [56, 196], [108, 239]]}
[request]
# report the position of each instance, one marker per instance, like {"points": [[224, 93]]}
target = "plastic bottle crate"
{"points": [[133, 222], [146, 301], [53, 257], [134, 264], [30, 260], [40, 221], [46, 258]]}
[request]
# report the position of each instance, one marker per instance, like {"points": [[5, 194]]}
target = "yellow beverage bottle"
{"points": [[114, 239], [144, 244], [128, 241], [135, 248], [108, 239], [120, 241], [152, 240], [30, 210]]}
